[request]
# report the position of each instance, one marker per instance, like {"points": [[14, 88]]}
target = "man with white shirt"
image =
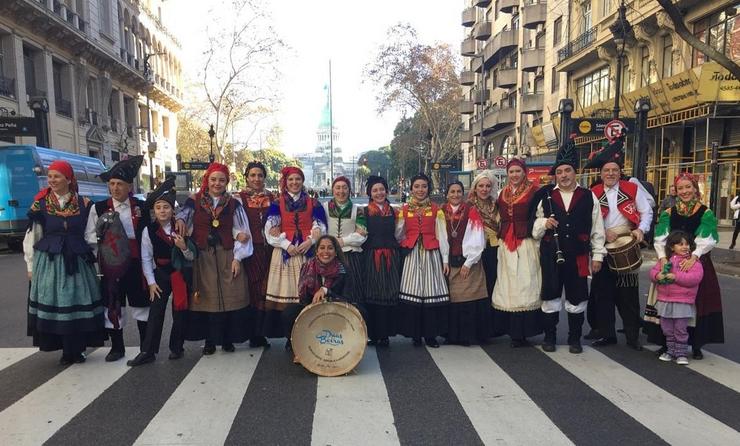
{"points": [[568, 223], [626, 209], [131, 288]]}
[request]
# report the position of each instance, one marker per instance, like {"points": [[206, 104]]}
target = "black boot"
{"points": [[633, 338], [117, 350], [141, 325], [575, 329], [141, 359], [550, 324], [432, 341]]}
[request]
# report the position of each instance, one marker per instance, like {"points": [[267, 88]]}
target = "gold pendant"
{"points": [[215, 223]]}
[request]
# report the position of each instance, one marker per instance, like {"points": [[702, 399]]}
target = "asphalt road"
{"points": [[403, 395]]}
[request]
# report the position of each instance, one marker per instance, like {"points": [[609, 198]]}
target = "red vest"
{"points": [[420, 226], [626, 199], [462, 224], [293, 223], [202, 225]]}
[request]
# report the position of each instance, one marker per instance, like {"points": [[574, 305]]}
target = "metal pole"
{"points": [[147, 73], [618, 87], [714, 191], [482, 85], [331, 129], [620, 43]]}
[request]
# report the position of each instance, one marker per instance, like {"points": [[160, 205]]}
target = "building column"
{"points": [[19, 74], [48, 83]]}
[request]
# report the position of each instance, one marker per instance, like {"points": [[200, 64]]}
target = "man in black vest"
{"points": [[567, 219], [130, 287]]}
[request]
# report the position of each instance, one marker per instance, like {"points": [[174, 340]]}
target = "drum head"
{"points": [[329, 338], [620, 242]]}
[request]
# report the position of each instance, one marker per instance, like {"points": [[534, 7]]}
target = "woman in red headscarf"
{"points": [[294, 223], [65, 311], [218, 226], [691, 216]]}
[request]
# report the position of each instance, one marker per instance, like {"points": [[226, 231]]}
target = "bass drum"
{"points": [[329, 338], [624, 254]]}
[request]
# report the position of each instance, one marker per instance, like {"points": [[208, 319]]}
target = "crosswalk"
{"points": [[402, 395]]}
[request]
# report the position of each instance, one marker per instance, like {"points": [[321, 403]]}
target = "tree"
{"points": [[421, 79], [362, 173], [408, 139], [239, 69], [677, 18]]}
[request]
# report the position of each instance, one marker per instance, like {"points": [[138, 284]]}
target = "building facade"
{"points": [[86, 59]]}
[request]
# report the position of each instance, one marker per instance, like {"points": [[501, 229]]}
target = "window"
{"points": [[105, 16], [721, 31], [645, 67], [515, 22], [558, 30], [166, 127], [606, 8], [667, 56], [593, 88], [555, 80], [586, 21], [29, 67], [91, 94]]}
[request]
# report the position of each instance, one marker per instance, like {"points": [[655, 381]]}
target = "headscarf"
{"points": [[285, 173], [342, 178], [372, 180], [517, 162], [315, 274], [688, 176], [213, 167], [65, 169], [486, 208]]}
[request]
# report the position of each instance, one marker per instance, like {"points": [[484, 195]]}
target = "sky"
{"points": [[346, 32]]}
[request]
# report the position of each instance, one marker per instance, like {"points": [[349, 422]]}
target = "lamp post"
{"points": [[40, 107], [565, 108], [642, 107], [620, 29], [211, 135], [151, 145], [481, 88]]}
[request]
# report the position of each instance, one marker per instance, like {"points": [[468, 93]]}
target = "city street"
{"points": [[452, 395]]}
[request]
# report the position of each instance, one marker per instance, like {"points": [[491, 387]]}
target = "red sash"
{"points": [[626, 199]]}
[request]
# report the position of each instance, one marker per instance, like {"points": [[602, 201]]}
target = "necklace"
{"points": [[451, 216]]}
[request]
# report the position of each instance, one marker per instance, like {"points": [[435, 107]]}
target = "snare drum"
{"points": [[329, 338], [624, 254]]}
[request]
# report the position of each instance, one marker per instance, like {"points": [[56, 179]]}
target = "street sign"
{"points": [[499, 171], [499, 162], [597, 126], [194, 165], [17, 126], [438, 166], [613, 129], [482, 164]]}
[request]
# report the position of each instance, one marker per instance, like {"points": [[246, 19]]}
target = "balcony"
{"points": [[468, 47], [7, 87], [467, 78], [532, 59], [482, 31], [64, 107], [35, 92], [497, 47], [508, 5], [577, 45], [506, 78], [480, 97], [468, 16], [466, 136], [482, 3], [495, 119], [533, 14], [532, 103], [467, 108]]}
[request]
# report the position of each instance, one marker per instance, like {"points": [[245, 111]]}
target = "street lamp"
{"points": [[620, 29], [642, 108], [211, 135], [481, 88], [40, 107], [152, 146], [565, 107]]}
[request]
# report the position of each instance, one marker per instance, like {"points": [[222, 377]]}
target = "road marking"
{"points": [[671, 418], [355, 408], [500, 410], [37, 416], [9, 356], [203, 407], [715, 367]]}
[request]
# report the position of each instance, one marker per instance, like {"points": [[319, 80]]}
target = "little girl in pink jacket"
{"points": [[677, 282]]}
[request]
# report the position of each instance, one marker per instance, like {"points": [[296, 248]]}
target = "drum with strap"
{"points": [[329, 338], [624, 254]]}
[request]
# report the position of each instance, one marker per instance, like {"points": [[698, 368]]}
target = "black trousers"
{"points": [[559, 278], [605, 296], [157, 313], [736, 232]]}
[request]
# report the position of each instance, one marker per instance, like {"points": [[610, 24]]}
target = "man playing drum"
{"points": [[627, 214]]}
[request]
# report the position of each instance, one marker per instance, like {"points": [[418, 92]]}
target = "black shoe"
{"points": [[548, 347], [621, 330], [372, 342], [575, 348], [417, 342], [141, 359], [209, 349], [592, 335], [697, 354], [228, 347], [519, 343], [114, 355], [79, 358], [432, 342], [66, 360], [384, 342], [732, 246], [259, 341], [288, 346], [603, 342], [176, 355], [635, 345]]}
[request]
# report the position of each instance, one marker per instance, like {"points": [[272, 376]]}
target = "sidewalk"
{"points": [[725, 261]]}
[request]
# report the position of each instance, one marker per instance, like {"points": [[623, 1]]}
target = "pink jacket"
{"points": [[684, 289]]}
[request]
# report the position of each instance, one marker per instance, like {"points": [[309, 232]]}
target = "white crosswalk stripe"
{"points": [[359, 408]]}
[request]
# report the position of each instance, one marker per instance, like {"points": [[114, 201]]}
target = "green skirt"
{"points": [[61, 304]]}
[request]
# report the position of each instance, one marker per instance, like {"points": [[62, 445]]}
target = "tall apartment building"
{"points": [[695, 103], [510, 87], [86, 59]]}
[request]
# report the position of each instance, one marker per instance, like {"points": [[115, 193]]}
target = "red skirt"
{"points": [[257, 267]]}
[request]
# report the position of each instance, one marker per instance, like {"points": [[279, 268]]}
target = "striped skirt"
{"points": [[282, 284], [424, 296]]}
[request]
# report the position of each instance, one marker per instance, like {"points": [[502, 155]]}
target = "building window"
{"points": [[606, 7], [60, 76], [105, 16], [667, 56], [586, 21], [721, 31], [495, 9], [645, 67], [558, 30], [515, 21], [29, 68], [593, 87], [166, 127], [555, 80]]}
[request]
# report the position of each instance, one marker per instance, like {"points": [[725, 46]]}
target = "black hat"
{"points": [[422, 176], [567, 154], [253, 165], [163, 192], [125, 170], [612, 153], [372, 180]]}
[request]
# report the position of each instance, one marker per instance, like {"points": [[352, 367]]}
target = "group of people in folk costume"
{"points": [[242, 266]]}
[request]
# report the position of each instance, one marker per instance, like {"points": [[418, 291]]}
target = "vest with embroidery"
{"points": [[626, 200], [421, 226], [202, 224], [297, 223], [574, 223]]}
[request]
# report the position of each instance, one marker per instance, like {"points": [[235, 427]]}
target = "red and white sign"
{"points": [[482, 164], [614, 129], [499, 162]]}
